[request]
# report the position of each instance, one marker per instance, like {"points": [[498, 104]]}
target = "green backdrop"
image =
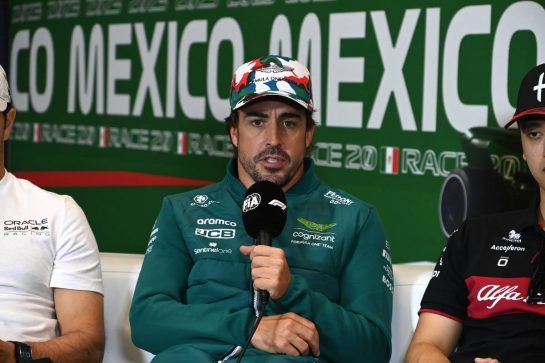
{"points": [[114, 95]]}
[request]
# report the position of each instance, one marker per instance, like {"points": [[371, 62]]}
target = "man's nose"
{"points": [[273, 134]]}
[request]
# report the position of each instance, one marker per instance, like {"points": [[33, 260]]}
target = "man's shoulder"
{"points": [[201, 196], [506, 219], [340, 197], [497, 226], [36, 195]]}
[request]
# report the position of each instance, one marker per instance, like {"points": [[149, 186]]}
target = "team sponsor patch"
{"points": [[386, 255], [492, 296], [26, 227], [219, 233], [216, 221], [512, 237], [202, 200], [509, 248], [335, 198], [301, 236], [213, 248], [315, 226]]}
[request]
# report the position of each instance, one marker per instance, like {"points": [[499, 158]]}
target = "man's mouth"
{"points": [[272, 161], [272, 157]]}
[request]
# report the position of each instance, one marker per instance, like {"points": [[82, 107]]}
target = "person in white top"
{"points": [[51, 294]]}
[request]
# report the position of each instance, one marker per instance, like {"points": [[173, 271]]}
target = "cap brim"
{"points": [[3, 105], [522, 115], [253, 97]]}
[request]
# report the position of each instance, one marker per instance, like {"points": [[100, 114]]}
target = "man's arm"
{"points": [[287, 333], [81, 323], [357, 327], [434, 339], [161, 317]]}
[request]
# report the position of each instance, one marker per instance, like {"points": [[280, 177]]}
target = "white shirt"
{"points": [[45, 243]]}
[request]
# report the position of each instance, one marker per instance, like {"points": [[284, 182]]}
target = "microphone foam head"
{"points": [[264, 209]]}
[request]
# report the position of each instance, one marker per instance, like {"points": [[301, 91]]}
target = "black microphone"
{"points": [[264, 213]]}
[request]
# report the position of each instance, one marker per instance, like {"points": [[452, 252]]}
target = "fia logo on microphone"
{"points": [[251, 202]]}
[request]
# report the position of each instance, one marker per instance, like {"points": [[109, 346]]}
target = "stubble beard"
{"points": [[250, 165]]}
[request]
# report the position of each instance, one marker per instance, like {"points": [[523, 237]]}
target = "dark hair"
{"points": [[232, 121]]}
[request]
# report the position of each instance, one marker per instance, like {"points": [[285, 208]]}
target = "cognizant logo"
{"points": [[314, 236]]}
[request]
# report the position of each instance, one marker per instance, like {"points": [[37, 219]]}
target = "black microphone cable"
{"points": [[263, 300], [264, 216]]}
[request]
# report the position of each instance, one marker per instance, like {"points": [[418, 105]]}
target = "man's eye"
{"points": [[257, 122], [289, 124]]}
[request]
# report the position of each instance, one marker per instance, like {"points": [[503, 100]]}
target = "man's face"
{"points": [[271, 137], [532, 133], [6, 124], [2, 139]]}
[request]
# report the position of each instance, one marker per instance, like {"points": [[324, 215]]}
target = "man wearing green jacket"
{"points": [[328, 273]]}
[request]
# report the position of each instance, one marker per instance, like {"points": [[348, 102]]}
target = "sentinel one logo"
{"points": [[277, 203], [251, 202]]}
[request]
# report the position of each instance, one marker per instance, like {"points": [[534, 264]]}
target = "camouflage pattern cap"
{"points": [[271, 76]]}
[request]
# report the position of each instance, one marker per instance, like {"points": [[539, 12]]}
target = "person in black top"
{"points": [[486, 300]]}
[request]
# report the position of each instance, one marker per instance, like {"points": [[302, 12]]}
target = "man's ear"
{"points": [[233, 132], [309, 134], [524, 156], [8, 125]]}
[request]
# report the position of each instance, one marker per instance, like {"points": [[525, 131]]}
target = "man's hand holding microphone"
{"points": [[264, 214]]}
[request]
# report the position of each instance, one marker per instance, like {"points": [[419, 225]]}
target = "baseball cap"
{"points": [[4, 91], [271, 75], [531, 97]]}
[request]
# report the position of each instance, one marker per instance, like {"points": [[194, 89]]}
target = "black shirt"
{"points": [[481, 280]]}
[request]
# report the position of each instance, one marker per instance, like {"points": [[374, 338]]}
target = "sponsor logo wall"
{"points": [[141, 87]]}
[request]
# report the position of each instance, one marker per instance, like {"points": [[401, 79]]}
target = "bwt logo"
{"points": [[277, 203], [251, 202], [215, 233]]}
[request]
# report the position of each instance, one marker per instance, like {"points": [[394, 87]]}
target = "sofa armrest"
{"points": [[119, 274], [410, 281]]}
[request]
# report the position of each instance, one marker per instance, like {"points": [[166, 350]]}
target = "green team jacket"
{"points": [[193, 299]]}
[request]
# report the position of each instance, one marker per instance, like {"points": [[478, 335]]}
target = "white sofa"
{"points": [[120, 272]]}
